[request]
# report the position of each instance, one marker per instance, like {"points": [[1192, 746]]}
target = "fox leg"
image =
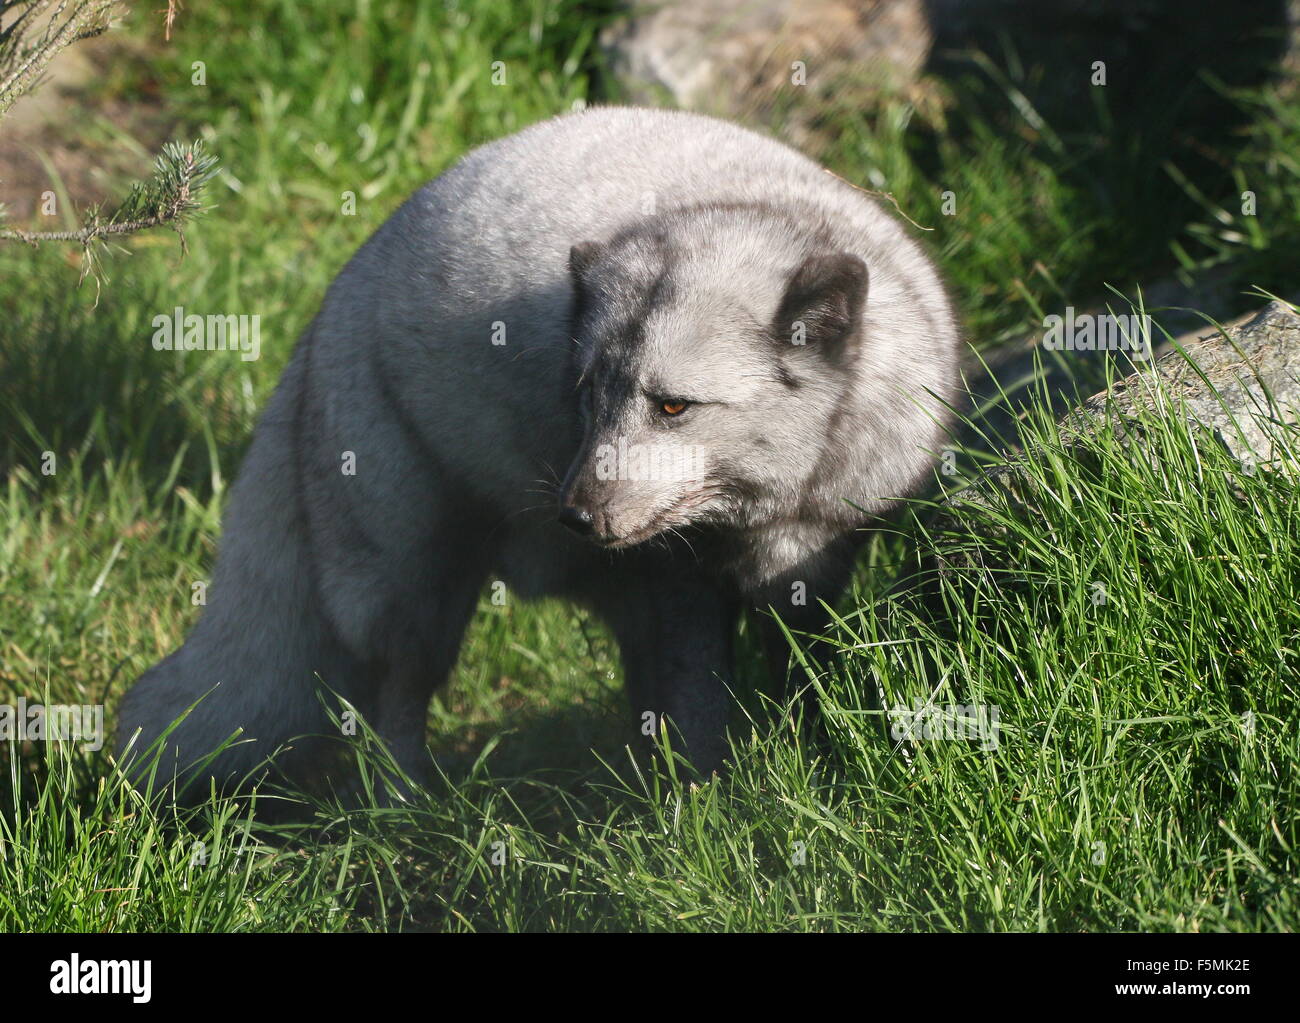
{"points": [[676, 642]]}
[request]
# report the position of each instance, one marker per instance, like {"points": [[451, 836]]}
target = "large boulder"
{"points": [[1233, 382], [734, 58]]}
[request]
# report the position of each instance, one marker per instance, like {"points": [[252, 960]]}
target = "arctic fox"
{"points": [[646, 360]]}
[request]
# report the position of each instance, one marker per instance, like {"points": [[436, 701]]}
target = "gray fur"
{"points": [[631, 255]]}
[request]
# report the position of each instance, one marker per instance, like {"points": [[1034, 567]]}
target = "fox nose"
{"points": [[577, 519]]}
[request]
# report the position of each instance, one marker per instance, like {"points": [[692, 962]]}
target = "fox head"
{"points": [[714, 346]]}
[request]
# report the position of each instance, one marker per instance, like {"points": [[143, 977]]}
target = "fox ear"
{"points": [[823, 301], [581, 257]]}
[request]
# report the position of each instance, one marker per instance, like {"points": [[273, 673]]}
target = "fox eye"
{"points": [[672, 408]]}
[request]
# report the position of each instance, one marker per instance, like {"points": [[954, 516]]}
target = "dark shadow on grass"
{"points": [[82, 379], [1170, 69]]}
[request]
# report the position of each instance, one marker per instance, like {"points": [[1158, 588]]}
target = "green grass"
{"points": [[1145, 775]]}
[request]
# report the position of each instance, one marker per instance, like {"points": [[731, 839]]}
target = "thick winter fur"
{"points": [[637, 261]]}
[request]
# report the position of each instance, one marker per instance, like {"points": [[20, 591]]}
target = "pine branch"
{"points": [[170, 198], [26, 51]]}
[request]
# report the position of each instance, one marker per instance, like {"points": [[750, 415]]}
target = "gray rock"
{"points": [[1000, 380], [734, 57], [1233, 381]]}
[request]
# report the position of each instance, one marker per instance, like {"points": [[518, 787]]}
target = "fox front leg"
{"points": [[676, 643], [799, 599]]}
